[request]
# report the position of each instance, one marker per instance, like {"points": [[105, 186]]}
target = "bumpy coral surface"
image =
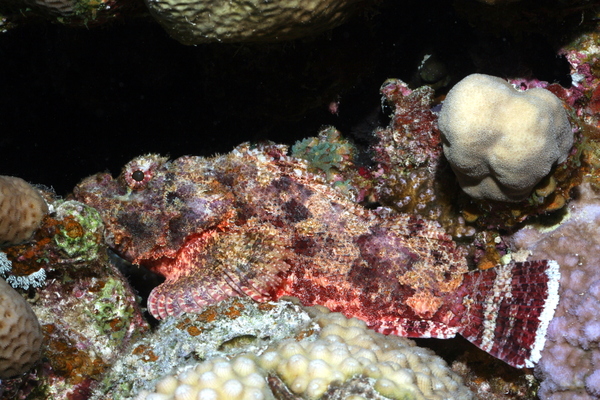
{"points": [[21, 210], [345, 347], [256, 223], [501, 142], [571, 360], [20, 333], [339, 355], [200, 21], [225, 329]]}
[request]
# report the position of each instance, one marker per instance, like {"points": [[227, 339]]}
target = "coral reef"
{"points": [[201, 21], [228, 328], [501, 142], [240, 378], [256, 223], [21, 210], [334, 157], [570, 360], [20, 333], [72, 234], [86, 308], [317, 354], [412, 175], [345, 347]]}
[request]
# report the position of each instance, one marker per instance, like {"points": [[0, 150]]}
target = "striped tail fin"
{"points": [[508, 308]]}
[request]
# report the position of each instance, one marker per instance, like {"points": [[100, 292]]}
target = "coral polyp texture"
{"points": [[256, 223], [570, 362], [201, 21], [499, 141], [21, 210], [327, 356], [20, 333]]}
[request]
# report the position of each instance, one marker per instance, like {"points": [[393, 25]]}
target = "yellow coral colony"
{"points": [[344, 349], [500, 141]]}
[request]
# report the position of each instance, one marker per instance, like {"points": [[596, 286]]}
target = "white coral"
{"points": [[499, 141], [343, 349]]}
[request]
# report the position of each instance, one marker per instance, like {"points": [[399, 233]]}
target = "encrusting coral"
{"points": [[501, 142], [20, 333], [570, 362], [338, 354], [21, 210]]}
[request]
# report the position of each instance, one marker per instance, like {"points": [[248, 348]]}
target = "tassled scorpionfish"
{"points": [[256, 223]]}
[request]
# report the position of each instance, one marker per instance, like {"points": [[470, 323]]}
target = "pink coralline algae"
{"points": [[256, 223], [571, 359]]}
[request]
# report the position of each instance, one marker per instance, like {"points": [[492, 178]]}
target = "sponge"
{"points": [[20, 333], [501, 142]]}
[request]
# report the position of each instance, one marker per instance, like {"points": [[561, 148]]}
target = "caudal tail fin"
{"points": [[508, 309]]}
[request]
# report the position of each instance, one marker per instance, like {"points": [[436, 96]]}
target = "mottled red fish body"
{"points": [[256, 223]]}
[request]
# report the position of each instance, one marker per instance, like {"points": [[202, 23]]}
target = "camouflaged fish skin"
{"points": [[255, 222]]}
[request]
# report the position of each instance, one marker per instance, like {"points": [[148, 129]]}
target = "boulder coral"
{"points": [[502, 142], [202, 21], [21, 210], [20, 333]]}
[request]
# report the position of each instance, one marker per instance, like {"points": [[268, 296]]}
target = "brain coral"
{"points": [[21, 210], [201, 21], [344, 350], [570, 362], [499, 141], [20, 333]]}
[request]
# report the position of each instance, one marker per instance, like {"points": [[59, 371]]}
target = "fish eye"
{"points": [[138, 175]]}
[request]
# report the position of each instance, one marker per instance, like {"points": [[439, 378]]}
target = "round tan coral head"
{"points": [[203, 21], [501, 142], [20, 333], [21, 210]]}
